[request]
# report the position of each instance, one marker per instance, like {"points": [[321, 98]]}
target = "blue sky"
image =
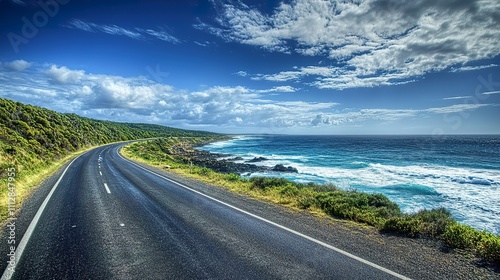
{"points": [[297, 67]]}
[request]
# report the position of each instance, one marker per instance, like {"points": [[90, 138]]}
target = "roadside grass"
{"points": [[35, 142], [371, 209], [24, 180]]}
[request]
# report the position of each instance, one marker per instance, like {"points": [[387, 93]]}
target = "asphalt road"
{"points": [[109, 218]]}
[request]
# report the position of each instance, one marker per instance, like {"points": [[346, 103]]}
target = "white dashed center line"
{"points": [[107, 189]]}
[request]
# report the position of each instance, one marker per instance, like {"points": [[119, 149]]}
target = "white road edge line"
{"points": [[390, 272], [107, 189], [27, 235]]}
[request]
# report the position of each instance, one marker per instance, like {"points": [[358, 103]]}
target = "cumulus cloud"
{"points": [[396, 41], [139, 99], [279, 89], [63, 75], [18, 65]]}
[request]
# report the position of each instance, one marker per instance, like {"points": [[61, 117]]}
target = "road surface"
{"points": [[109, 218]]}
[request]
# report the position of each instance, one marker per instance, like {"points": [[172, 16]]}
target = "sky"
{"points": [[237, 66]]}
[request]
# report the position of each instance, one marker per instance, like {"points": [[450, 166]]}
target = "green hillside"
{"points": [[34, 140]]}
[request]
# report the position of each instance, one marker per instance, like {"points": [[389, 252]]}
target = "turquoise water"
{"points": [[460, 173]]}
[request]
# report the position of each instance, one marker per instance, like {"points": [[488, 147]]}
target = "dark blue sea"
{"points": [[460, 173]]}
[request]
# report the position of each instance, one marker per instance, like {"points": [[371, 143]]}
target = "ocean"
{"points": [[460, 173]]}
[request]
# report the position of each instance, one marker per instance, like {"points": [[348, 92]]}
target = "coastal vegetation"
{"points": [[176, 155], [35, 142]]}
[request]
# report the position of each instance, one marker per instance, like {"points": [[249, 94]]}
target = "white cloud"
{"points": [[136, 33], [109, 29], [142, 100], [279, 77], [161, 35], [203, 44], [456, 108], [279, 89], [457, 97], [64, 75], [375, 42], [473, 68], [18, 65], [491, 92]]}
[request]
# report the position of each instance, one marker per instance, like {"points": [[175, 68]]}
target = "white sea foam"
{"points": [[471, 194], [468, 193], [236, 140]]}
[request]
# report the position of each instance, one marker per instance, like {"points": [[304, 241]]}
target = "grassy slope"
{"points": [[372, 209], [35, 142]]}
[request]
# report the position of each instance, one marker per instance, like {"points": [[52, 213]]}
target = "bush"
{"points": [[489, 247], [386, 207], [268, 182], [307, 202], [402, 225], [431, 223], [486, 245], [434, 222], [233, 177], [461, 236], [205, 171], [289, 191]]}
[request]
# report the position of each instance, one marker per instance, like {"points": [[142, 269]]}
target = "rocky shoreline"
{"points": [[224, 163]]}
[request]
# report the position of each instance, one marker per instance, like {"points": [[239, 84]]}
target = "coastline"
{"points": [[223, 163], [451, 259], [177, 156], [459, 174]]}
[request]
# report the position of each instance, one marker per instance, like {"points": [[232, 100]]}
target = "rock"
{"points": [[214, 161], [282, 168], [257, 159], [235, 159]]}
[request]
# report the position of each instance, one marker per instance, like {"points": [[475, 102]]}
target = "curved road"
{"points": [[109, 218]]}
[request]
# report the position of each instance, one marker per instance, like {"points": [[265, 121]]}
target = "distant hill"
{"points": [[32, 137]]}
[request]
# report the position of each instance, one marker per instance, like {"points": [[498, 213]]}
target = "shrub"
{"points": [[268, 182], [402, 225], [290, 191], [489, 247], [205, 171], [233, 177], [486, 245], [431, 223], [306, 202], [461, 236], [434, 222], [386, 208]]}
